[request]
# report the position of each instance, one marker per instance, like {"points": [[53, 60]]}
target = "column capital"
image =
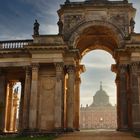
{"points": [[11, 83], [2, 72], [59, 66], [123, 68], [117, 80], [70, 69], [35, 66], [135, 66], [27, 69]]}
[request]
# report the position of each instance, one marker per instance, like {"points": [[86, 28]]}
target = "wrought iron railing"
{"points": [[14, 44]]}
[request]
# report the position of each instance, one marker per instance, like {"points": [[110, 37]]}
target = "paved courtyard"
{"points": [[98, 135]]}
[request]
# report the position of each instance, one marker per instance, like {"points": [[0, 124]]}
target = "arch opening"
{"points": [[12, 110], [98, 101]]}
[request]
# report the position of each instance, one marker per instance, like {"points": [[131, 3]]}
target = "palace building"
{"points": [[100, 114]]}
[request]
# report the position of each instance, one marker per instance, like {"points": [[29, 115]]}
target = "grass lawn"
{"points": [[28, 138]]}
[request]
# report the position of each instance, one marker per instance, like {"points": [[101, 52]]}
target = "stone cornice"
{"points": [[46, 47], [133, 46], [97, 3], [28, 48]]}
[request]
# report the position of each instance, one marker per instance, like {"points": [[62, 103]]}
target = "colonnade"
{"points": [[67, 98], [70, 111]]}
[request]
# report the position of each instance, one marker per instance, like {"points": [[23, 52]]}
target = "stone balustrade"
{"points": [[14, 44]]}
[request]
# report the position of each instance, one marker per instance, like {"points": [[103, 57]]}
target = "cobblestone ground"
{"points": [[98, 135]]}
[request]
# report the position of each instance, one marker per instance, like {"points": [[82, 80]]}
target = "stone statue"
{"points": [[125, 1], [132, 25], [36, 28], [60, 25], [67, 1]]}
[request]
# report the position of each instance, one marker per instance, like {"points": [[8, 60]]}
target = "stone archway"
{"points": [[104, 36], [97, 28]]}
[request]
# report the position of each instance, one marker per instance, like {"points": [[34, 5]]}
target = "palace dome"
{"points": [[100, 98]]}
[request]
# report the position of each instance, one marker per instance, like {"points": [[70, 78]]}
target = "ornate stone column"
{"points": [[26, 104], [70, 97], [77, 99], [135, 92], [59, 99], [118, 103], [129, 100], [20, 126], [2, 100], [9, 110], [33, 98], [15, 108], [123, 97]]}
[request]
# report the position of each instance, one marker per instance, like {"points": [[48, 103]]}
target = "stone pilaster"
{"points": [[2, 101], [118, 102], [20, 126], [123, 97], [27, 91], [135, 92], [70, 97], [33, 98], [59, 103], [77, 99]]}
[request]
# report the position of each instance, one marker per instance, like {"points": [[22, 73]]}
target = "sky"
{"points": [[16, 22]]}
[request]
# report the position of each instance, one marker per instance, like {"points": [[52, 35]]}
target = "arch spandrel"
{"points": [[95, 29]]}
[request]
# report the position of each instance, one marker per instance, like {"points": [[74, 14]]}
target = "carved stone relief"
{"points": [[96, 15], [46, 103], [48, 83], [119, 19], [72, 20]]}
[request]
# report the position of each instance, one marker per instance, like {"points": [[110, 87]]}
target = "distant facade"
{"points": [[100, 114]]}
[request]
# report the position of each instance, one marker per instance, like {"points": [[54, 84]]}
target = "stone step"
{"points": [[98, 135]]}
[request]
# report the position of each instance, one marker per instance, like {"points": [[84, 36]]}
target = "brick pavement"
{"points": [[98, 135]]}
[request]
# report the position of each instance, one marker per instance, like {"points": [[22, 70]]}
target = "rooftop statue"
{"points": [[36, 28], [67, 1], [60, 25], [132, 25], [105, 1], [96, 1], [125, 1]]}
